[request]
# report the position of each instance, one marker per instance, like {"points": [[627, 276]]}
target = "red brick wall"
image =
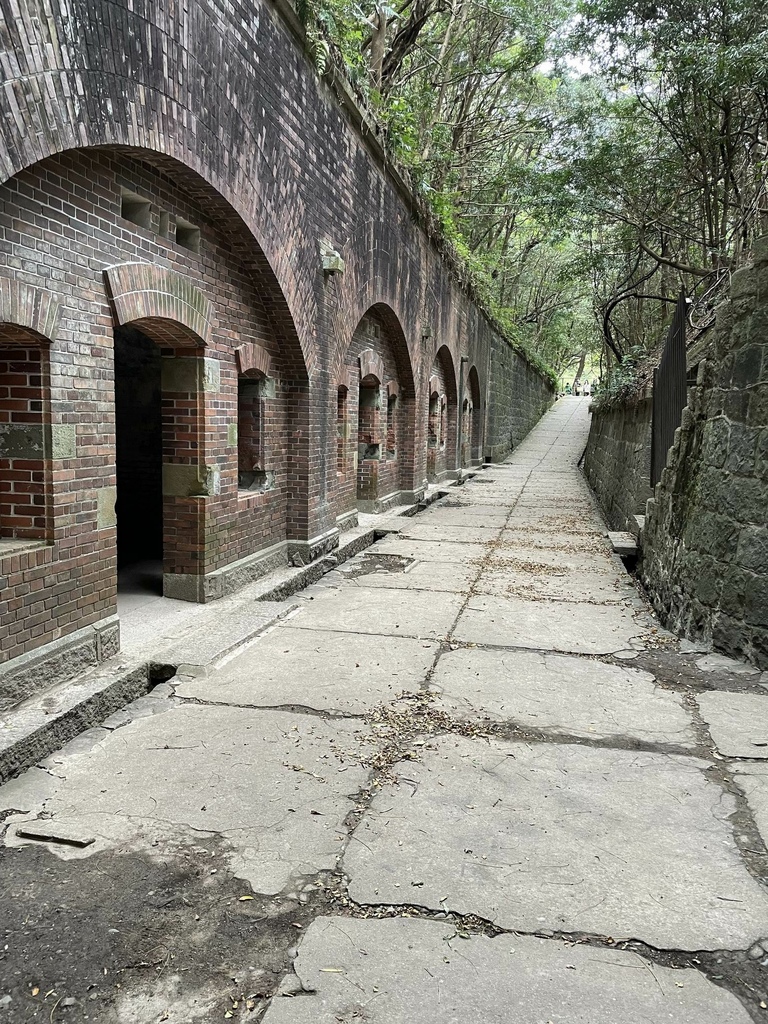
{"points": [[23, 479]]}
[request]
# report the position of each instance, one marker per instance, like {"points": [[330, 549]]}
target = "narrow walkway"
{"points": [[467, 780]]}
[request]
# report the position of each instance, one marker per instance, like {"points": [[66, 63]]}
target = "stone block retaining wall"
{"points": [[519, 397], [618, 460], [705, 556]]}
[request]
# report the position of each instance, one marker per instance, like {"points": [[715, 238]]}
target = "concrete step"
{"points": [[624, 544]]}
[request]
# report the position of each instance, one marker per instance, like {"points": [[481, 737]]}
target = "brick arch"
{"points": [[252, 358], [371, 365], [27, 308], [402, 387], [473, 386], [161, 303], [187, 156], [441, 418], [472, 420], [445, 359], [396, 335]]}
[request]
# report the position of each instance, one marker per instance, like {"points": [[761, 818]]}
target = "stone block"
{"points": [[22, 441], [733, 592], [267, 387], [757, 329], [753, 547], [724, 317], [716, 434], [757, 414], [185, 481], [190, 375], [232, 435], [623, 543], [747, 366], [106, 516], [211, 375], [715, 534], [63, 441], [184, 587], [761, 457], [707, 581], [728, 635], [724, 373], [743, 282], [760, 250], [736, 405], [756, 601], [742, 445]]}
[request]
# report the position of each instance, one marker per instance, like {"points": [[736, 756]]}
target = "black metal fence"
{"points": [[669, 390]]}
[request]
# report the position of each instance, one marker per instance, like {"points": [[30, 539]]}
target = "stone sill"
{"points": [[249, 498], [10, 546]]}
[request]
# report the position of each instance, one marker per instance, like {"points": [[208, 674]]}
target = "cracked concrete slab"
{"points": [[543, 559], [468, 515], [562, 837], [396, 971], [432, 551], [276, 786], [456, 534], [563, 584], [324, 670], [559, 522], [560, 694], [753, 780], [738, 722], [517, 535], [447, 576], [346, 609], [570, 628]]}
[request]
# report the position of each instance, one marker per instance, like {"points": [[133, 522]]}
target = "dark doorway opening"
{"points": [[139, 459]]}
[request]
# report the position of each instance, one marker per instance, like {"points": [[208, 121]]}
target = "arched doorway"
{"points": [[471, 421], [369, 438], [441, 421], [380, 403]]}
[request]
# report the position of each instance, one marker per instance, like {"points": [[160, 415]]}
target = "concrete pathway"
{"points": [[468, 779]]}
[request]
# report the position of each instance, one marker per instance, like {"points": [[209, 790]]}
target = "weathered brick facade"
{"points": [[169, 340]]}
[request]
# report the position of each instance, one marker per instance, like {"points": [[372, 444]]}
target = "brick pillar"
{"points": [[190, 385]]}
